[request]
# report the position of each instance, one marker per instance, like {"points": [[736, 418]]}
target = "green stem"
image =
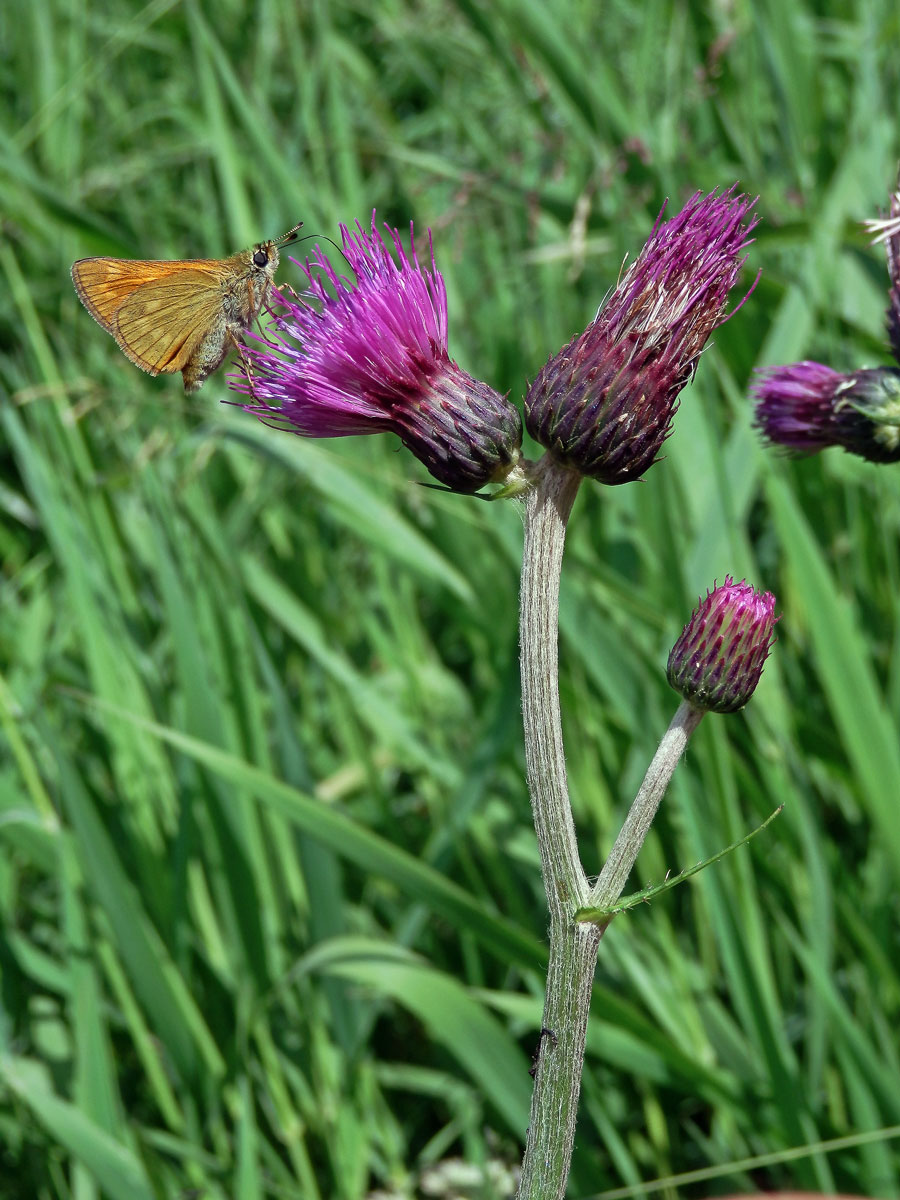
{"points": [[554, 1103], [573, 947], [547, 511], [627, 845]]}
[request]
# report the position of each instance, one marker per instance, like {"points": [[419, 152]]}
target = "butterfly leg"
{"points": [[246, 365], [286, 288]]}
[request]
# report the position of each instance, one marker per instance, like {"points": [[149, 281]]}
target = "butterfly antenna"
{"points": [[324, 237], [290, 236]]}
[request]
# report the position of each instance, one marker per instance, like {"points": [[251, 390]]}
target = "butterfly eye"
{"points": [[260, 259]]}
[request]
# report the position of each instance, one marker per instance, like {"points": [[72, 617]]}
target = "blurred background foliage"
{"points": [[271, 922]]}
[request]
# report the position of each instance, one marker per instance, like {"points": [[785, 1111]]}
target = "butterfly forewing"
{"points": [[103, 283]]}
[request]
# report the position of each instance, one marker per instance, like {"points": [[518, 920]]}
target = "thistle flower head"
{"points": [[371, 355], [604, 404], [887, 230], [807, 407], [718, 659]]}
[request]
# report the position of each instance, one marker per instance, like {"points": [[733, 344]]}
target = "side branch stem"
{"points": [[627, 845]]}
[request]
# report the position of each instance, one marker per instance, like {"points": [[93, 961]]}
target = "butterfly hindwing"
{"points": [[160, 324]]}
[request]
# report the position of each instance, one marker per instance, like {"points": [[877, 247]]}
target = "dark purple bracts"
{"points": [[807, 407], [718, 659], [604, 404]]}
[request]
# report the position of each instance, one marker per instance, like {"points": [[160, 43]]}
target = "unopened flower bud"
{"points": [[604, 404], [718, 659], [807, 407]]}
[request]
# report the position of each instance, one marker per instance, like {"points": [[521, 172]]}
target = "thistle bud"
{"points": [[604, 404], [807, 407], [718, 659]]}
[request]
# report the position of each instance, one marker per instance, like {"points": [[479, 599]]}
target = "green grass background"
{"points": [[271, 922]]}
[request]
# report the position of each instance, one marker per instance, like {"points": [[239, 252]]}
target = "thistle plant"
{"points": [[370, 355]]}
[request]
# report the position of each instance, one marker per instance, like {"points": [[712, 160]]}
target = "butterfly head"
{"points": [[264, 255]]}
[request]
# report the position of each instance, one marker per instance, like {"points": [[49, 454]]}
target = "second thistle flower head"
{"points": [[371, 355], [718, 659], [604, 404], [807, 407]]}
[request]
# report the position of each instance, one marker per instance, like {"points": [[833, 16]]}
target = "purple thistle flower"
{"points": [[887, 230], [718, 659], [807, 407], [372, 356], [604, 404]]}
